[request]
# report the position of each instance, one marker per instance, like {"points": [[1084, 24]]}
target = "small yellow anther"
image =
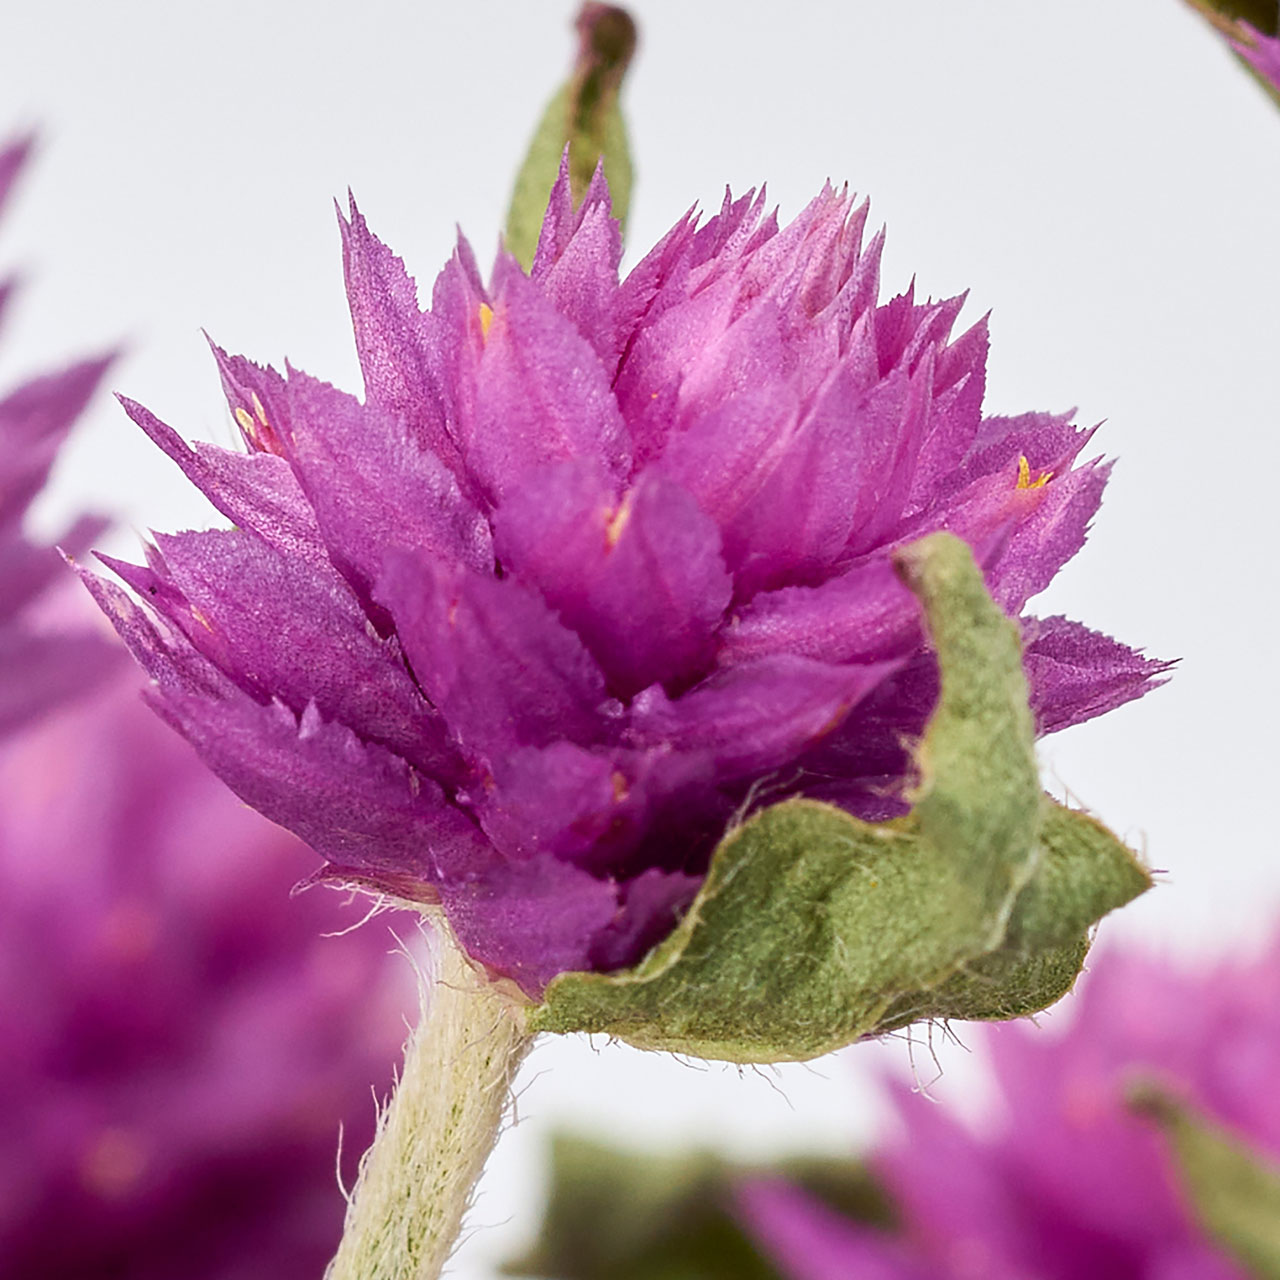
{"points": [[616, 521], [1024, 475], [486, 319], [258, 409], [245, 421]]}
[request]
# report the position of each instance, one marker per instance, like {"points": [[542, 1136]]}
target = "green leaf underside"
{"points": [[1232, 1189], [813, 928], [627, 1215], [591, 130]]}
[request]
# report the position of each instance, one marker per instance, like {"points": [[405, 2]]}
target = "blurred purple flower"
{"points": [[1068, 1183], [55, 660], [181, 1043], [596, 563], [1260, 51]]}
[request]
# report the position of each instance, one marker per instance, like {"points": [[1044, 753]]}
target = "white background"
{"points": [[1102, 177]]}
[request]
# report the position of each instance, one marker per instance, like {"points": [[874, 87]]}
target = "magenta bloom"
{"points": [[1261, 52], [34, 420], [595, 563], [181, 1043], [1069, 1183]]}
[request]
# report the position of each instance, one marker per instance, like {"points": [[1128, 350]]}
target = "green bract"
{"points": [[586, 116], [813, 928], [1233, 1190]]}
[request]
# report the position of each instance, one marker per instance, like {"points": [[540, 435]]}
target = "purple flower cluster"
{"points": [[1070, 1183], [54, 661], [1261, 52], [181, 1045], [595, 563]]}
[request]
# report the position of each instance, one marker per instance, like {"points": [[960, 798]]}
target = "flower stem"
{"points": [[437, 1131]]}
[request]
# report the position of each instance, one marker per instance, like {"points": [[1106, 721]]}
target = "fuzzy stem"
{"points": [[437, 1131]]}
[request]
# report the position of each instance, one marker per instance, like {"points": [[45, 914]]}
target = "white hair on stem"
{"points": [[436, 1132]]}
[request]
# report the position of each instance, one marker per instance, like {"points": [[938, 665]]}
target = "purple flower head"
{"points": [[55, 661], [179, 1054], [1261, 52], [596, 563], [1253, 32], [1069, 1182]]}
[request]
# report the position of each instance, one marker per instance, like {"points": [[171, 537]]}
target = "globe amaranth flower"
{"points": [[596, 564], [1261, 52], [1067, 1181], [55, 660], [178, 1058], [182, 1046], [1253, 32]]}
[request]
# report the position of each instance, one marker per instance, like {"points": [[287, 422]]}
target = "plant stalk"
{"points": [[437, 1131]]}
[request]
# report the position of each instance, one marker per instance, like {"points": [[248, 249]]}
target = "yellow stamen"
{"points": [[258, 409], [486, 319], [616, 522], [245, 421], [1024, 475]]}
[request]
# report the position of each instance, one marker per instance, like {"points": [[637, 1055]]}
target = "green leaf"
{"points": [[1233, 1189], [813, 929], [1082, 872], [586, 115], [627, 1215]]}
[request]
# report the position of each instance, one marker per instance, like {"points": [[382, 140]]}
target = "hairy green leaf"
{"points": [[1082, 872], [813, 928]]}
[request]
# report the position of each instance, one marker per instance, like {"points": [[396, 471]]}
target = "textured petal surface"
{"points": [[532, 921], [283, 627], [639, 576], [754, 718], [255, 491], [459, 629], [365, 476], [541, 394], [1076, 674], [577, 262]]}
